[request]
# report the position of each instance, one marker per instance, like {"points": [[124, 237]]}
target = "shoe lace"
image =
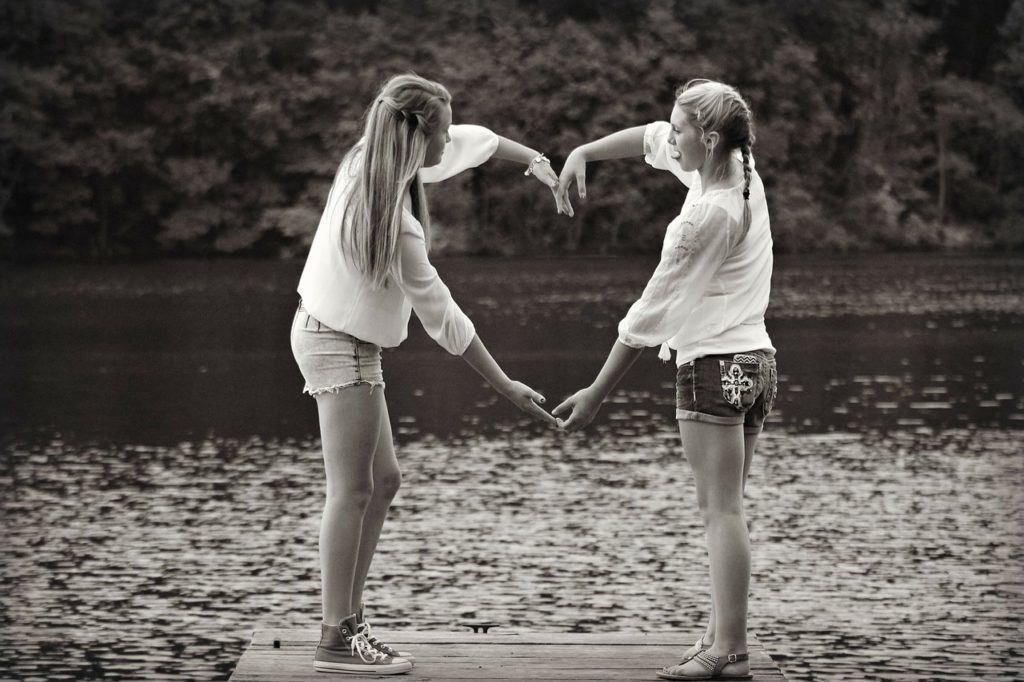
{"points": [[364, 629], [365, 650]]}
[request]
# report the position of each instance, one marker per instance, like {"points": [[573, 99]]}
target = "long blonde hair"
{"points": [[717, 107], [383, 164]]}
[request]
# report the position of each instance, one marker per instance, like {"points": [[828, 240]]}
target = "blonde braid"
{"points": [[716, 107], [745, 152]]}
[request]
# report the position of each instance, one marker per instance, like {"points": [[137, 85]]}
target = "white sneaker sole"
{"points": [[395, 668]]}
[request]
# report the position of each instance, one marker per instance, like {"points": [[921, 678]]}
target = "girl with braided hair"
{"points": [[367, 270], [707, 300]]}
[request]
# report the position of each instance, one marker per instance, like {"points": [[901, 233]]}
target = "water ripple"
{"points": [[876, 556]]}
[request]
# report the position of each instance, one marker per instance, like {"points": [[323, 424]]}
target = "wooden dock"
{"points": [[287, 656]]}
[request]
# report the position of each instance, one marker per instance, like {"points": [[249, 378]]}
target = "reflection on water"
{"points": [[169, 351], [160, 483]]}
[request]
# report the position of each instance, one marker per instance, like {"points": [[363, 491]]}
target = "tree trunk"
{"points": [[942, 133], [104, 246]]}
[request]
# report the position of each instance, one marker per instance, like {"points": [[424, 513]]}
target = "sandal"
{"points": [[712, 664], [699, 645]]}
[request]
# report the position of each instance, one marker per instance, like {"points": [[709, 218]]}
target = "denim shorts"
{"points": [[735, 388], [330, 360]]}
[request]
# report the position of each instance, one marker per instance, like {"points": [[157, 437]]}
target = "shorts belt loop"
{"points": [[355, 353], [693, 381]]}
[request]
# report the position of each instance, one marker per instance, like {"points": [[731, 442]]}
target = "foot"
{"points": [[363, 627], [343, 649], [707, 666], [702, 644]]}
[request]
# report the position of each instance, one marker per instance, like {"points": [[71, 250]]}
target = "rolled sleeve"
{"points": [[657, 152], [680, 280], [430, 298], [470, 146]]}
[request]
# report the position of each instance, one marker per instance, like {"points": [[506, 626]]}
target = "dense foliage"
{"points": [[198, 127]]}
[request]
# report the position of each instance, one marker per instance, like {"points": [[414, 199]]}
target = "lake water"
{"points": [[161, 481]]}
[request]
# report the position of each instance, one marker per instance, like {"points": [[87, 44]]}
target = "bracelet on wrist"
{"points": [[540, 158]]}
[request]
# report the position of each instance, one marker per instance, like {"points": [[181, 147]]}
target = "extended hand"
{"points": [[542, 171], [529, 401], [583, 406], [574, 170]]}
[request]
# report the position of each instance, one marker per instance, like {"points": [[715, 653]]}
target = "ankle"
{"points": [[724, 647], [336, 617]]}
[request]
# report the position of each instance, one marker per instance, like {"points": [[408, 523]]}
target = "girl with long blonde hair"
{"points": [[367, 270]]}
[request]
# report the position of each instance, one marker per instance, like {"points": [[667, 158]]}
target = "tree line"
{"points": [[192, 127]]}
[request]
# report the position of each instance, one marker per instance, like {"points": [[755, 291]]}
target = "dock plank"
{"points": [[286, 655]]}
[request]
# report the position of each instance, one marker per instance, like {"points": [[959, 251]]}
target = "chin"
{"points": [[685, 165], [676, 156]]}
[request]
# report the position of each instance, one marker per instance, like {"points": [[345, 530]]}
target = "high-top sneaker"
{"points": [[363, 626], [343, 649]]}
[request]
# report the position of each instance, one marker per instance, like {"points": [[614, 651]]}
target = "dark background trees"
{"points": [[196, 127]]}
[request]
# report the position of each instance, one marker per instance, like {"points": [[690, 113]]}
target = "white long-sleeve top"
{"points": [[710, 290], [336, 293]]}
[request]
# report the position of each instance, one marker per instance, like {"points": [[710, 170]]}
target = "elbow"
{"points": [[460, 348], [632, 341], [456, 338]]}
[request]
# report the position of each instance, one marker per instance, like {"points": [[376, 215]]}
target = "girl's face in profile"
{"points": [[437, 141], [689, 150]]}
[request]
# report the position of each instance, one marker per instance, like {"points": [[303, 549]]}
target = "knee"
{"points": [[386, 486], [715, 509], [350, 498]]}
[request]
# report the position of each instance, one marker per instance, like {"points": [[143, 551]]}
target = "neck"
{"points": [[721, 175]]}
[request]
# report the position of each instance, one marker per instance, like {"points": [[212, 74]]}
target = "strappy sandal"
{"points": [[712, 664], [699, 645]]}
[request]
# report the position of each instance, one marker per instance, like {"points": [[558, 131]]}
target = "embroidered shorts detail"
{"points": [[330, 360], [736, 388]]}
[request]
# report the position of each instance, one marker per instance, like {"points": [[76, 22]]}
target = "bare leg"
{"points": [[349, 428], [719, 457], [387, 478], [749, 444]]}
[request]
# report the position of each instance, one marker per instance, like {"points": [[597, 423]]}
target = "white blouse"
{"points": [[337, 294], [710, 290]]}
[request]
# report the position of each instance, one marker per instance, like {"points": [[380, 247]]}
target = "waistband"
{"points": [[320, 326]]}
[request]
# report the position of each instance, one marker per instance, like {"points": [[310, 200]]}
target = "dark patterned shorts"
{"points": [[736, 388]]}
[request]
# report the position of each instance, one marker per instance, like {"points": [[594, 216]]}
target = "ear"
{"points": [[711, 141]]}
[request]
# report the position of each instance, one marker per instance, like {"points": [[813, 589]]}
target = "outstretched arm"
{"points": [[472, 145], [510, 150], [518, 393], [445, 322], [583, 405], [620, 145]]}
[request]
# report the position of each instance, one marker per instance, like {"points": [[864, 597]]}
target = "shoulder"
{"points": [[709, 211], [658, 153], [469, 146], [411, 226], [707, 221], [656, 133], [472, 135]]}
